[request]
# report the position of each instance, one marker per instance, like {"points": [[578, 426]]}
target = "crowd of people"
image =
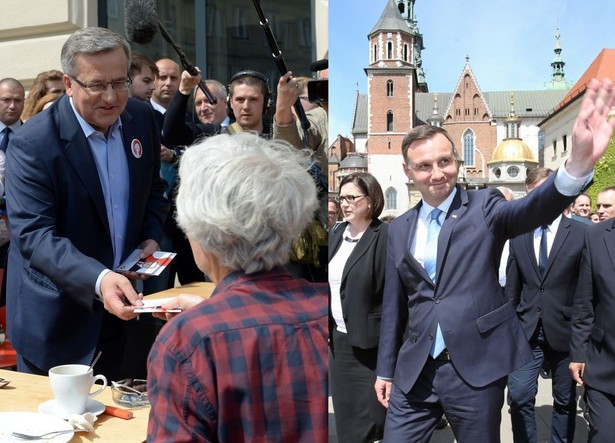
{"points": [[96, 175], [415, 324]]}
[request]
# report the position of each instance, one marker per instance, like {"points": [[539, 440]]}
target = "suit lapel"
{"points": [[362, 246], [412, 220], [528, 241], [130, 138], [609, 241], [77, 151], [560, 238], [455, 212]]}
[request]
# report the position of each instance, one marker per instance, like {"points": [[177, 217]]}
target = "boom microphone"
{"points": [[141, 18], [319, 65]]}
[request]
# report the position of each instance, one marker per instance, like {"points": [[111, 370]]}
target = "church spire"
{"points": [[436, 119], [512, 122], [558, 80]]}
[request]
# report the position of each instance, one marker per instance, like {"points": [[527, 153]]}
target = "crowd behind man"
{"points": [[541, 279]]}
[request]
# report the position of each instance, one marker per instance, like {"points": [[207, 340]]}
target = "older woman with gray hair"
{"points": [[250, 363]]}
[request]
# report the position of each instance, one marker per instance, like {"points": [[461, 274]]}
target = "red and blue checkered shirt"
{"points": [[247, 365]]}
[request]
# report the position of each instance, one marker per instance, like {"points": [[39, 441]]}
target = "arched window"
{"points": [[389, 50], [391, 198], [375, 53], [389, 88], [405, 52], [468, 148], [390, 121]]}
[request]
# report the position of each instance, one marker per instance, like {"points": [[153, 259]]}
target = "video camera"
{"points": [[318, 90]]}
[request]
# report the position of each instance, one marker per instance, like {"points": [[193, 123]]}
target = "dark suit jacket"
{"points": [[60, 237], [549, 296], [362, 283], [480, 328], [592, 336], [177, 130]]}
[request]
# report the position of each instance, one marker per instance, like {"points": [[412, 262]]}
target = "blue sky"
{"points": [[510, 44]]}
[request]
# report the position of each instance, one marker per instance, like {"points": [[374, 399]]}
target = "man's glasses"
{"points": [[98, 87], [348, 198]]}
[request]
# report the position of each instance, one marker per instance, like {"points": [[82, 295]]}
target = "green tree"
{"points": [[605, 173]]}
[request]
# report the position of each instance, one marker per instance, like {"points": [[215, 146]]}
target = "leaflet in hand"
{"points": [[155, 306], [151, 265]]}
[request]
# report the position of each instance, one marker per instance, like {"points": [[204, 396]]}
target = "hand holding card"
{"points": [[151, 265], [156, 305]]}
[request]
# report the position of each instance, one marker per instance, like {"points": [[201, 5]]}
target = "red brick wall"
{"points": [[380, 140]]}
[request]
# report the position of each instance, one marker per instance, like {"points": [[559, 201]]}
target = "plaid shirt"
{"points": [[248, 365]]}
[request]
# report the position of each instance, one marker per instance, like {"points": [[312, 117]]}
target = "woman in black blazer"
{"points": [[357, 255]]}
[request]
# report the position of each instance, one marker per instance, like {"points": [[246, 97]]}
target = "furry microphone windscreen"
{"points": [[141, 19]]}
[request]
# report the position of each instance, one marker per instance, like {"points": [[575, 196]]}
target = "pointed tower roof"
{"points": [[436, 119], [602, 67], [390, 20], [558, 79]]}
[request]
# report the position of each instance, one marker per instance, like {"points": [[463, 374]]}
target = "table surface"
{"points": [[204, 289], [26, 392]]}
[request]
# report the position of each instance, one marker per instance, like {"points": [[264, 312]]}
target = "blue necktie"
{"points": [[542, 252], [5, 140], [429, 262], [431, 248]]}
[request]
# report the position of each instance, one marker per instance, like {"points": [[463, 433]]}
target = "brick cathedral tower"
{"points": [[394, 74]]}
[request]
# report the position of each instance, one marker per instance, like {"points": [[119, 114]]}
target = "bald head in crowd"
{"points": [[582, 205], [167, 82], [12, 96], [605, 204]]}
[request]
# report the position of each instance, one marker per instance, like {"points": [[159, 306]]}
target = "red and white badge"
{"points": [[137, 148]]}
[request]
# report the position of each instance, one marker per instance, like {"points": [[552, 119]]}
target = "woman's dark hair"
{"points": [[369, 186]]}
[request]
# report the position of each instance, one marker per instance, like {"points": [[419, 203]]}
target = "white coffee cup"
{"points": [[71, 385]]}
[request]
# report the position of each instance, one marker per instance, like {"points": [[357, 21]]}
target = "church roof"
{"points": [[602, 67], [512, 150], [353, 160], [390, 20], [528, 104], [360, 118]]}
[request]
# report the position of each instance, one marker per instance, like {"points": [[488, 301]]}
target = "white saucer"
{"points": [[50, 407]]}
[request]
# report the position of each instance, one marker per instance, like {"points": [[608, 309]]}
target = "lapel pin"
{"points": [[137, 148]]}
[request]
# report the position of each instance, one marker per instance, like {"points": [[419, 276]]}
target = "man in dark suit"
{"points": [[84, 190], [605, 203], [592, 334], [542, 273], [462, 337]]}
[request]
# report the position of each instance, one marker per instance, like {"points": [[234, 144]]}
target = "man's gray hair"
{"points": [[218, 89], [91, 41], [245, 199]]}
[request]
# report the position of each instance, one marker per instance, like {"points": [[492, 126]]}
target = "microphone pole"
{"points": [[279, 60], [321, 181], [187, 65]]}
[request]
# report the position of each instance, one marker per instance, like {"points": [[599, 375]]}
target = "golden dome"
{"points": [[512, 150]]}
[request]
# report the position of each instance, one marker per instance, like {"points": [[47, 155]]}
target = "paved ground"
{"points": [[543, 421]]}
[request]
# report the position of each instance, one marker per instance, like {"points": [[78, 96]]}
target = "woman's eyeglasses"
{"points": [[349, 198]]}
